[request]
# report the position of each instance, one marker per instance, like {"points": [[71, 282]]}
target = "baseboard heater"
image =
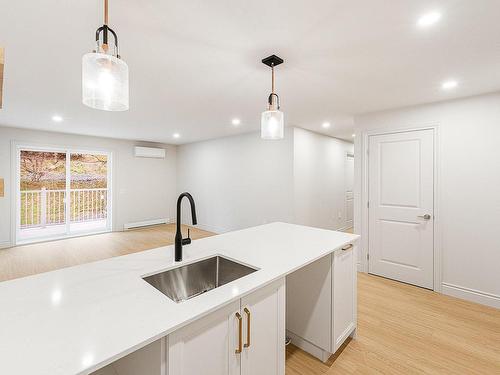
{"points": [[146, 223]]}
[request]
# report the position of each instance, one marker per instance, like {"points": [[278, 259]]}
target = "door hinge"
{"points": [[368, 204], [368, 256]]}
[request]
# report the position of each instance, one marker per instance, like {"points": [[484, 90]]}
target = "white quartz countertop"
{"points": [[79, 319]]}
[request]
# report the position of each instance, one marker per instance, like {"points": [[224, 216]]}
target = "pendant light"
{"points": [[105, 74], [272, 121]]}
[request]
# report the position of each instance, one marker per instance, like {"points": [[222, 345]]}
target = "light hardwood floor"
{"points": [[402, 329], [27, 260]]}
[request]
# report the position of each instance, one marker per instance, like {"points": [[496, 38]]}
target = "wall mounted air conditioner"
{"points": [[149, 152]]}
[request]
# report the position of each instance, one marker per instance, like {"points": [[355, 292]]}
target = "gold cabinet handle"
{"points": [[240, 331], [247, 345], [347, 247]]}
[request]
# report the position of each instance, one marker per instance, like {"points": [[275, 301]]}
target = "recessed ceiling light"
{"points": [[448, 85], [326, 125], [429, 19], [236, 121], [353, 135], [57, 118], [176, 135]]}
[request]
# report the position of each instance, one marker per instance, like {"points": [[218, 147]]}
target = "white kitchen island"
{"points": [[103, 318]]}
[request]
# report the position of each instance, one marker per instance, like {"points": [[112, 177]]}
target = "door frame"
{"points": [[16, 147], [365, 135]]}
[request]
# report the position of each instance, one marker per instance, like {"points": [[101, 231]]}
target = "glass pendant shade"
{"points": [[105, 82], [272, 125]]}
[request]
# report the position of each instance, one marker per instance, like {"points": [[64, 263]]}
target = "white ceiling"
{"points": [[195, 64]]}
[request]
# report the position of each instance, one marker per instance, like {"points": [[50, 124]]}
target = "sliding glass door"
{"points": [[62, 193], [42, 194], [88, 206]]}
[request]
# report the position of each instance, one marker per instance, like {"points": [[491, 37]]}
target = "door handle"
{"points": [[240, 331], [425, 217], [247, 345]]}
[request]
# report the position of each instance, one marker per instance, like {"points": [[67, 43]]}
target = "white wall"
{"points": [[238, 181], [143, 189], [320, 179], [242, 181], [469, 189]]}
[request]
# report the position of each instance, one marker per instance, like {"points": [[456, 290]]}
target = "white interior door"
{"points": [[349, 193], [401, 206]]}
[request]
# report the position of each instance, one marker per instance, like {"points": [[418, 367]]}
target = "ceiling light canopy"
{"points": [[104, 74], [429, 19], [326, 125], [236, 121], [57, 118], [272, 121], [176, 135]]}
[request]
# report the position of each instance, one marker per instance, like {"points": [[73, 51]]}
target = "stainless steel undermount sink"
{"points": [[185, 282]]}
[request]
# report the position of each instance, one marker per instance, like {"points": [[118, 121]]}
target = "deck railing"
{"points": [[40, 208]]}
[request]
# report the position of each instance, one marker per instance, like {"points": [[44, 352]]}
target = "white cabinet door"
{"points": [[344, 295], [206, 346], [264, 339]]}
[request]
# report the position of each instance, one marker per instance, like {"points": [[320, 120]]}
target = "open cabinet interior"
{"points": [[150, 360]]}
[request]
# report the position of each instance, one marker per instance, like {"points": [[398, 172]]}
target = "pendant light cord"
{"points": [[272, 79], [105, 26], [273, 94], [106, 12], [104, 29]]}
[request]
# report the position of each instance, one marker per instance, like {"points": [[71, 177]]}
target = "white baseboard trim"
{"points": [[211, 228], [308, 347], [472, 295], [5, 244], [145, 223]]}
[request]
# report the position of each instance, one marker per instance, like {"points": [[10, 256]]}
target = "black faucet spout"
{"points": [[179, 241]]}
